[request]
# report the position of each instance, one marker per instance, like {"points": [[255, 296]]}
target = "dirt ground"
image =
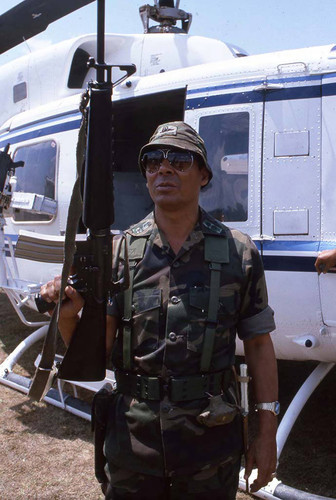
{"points": [[47, 453]]}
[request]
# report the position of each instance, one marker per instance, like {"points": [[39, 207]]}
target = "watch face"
{"points": [[277, 407]]}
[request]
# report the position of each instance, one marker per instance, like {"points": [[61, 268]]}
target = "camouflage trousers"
{"points": [[218, 482]]}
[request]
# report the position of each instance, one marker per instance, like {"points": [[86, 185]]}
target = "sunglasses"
{"points": [[181, 161]]}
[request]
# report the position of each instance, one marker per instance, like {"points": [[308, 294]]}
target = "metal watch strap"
{"points": [[273, 407]]}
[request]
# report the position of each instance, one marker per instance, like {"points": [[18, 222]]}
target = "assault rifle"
{"points": [[7, 170], [92, 198]]}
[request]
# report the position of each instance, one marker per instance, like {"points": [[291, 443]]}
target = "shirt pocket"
{"points": [[197, 315], [229, 302], [228, 308], [228, 314], [146, 310]]}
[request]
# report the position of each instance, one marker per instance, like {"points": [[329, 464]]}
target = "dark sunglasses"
{"points": [[179, 160]]}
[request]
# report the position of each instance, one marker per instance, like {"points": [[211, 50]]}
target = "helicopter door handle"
{"points": [[268, 86], [263, 237]]}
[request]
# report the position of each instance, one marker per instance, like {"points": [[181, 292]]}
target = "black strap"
{"points": [[136, 249], [216, 252], [46, 371], [127, 320]]}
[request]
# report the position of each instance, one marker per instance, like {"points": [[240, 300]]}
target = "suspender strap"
{"points": [[136, 250], [216, 252], [46, 372], [127, 320]]}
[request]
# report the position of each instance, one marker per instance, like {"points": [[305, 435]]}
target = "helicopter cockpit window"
{"points": [[19, 92], [37, 176], [226, 138]]}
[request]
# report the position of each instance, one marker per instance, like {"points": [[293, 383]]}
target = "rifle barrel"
{"points": [[100, 39]]}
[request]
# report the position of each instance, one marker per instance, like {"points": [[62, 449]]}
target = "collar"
{"points": [[144, 227], [206, 224], [210, 225]]}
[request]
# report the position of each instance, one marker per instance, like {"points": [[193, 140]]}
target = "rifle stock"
{"points": [[85, 358]]}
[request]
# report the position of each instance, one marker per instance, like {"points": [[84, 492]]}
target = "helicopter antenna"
{"points": [[167, 13]]}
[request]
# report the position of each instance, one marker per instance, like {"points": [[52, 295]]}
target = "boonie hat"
{"points": [[180, 135]]}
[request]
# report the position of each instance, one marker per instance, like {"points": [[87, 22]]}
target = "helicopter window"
{"points": [[78, 69], [226, 138], [19, 91], [37, 176]]}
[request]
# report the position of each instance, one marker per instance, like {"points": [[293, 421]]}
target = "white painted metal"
{"points": [[266, 492], [292, 182], [244, 388], [299, 401], [47, 71], [11, 360]]}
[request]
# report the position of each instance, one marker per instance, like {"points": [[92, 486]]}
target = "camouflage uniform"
{"points": [[169, 312]]}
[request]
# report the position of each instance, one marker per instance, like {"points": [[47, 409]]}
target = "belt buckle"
{"points": [[149, 387]]}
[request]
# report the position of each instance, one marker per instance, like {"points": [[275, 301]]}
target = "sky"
{"points": [[257, 26]]}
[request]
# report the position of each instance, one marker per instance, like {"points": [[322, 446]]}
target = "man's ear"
{"points": [[205, 177]]}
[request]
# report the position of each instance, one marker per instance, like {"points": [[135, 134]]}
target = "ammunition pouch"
{"points": [[185, 388], [100, 414], [218, 412]]}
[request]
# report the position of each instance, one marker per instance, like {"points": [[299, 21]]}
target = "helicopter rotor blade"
{"points": [[31, 17]]}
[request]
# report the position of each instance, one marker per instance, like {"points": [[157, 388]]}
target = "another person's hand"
{"points": [[325, 261]]}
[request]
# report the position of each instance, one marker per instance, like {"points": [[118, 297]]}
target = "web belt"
{"points": [[176, 388]]}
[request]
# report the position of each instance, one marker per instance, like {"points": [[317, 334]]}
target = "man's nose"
{"points": [[165, 167]]}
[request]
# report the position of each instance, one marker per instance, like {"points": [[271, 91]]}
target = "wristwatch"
{"points": [[274, 407]]}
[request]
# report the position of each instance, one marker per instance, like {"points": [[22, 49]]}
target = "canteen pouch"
{"points": [[100, 413], [218, 412]]}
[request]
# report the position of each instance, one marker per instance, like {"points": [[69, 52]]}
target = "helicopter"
{"points": [[268, 125]]}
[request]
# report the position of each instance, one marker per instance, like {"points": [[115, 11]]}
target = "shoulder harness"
{"points": [[216, 252]]}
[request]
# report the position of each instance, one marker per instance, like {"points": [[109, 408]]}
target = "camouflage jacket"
{"points": [[170, 304]]}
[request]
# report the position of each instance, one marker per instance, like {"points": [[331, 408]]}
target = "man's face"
{"points": [[171, 188]]}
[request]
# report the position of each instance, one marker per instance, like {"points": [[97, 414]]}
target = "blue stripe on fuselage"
{"points": [[304, 92], [254, 83], [54, 125], [288, 263], [32, 131], [297, 263]]}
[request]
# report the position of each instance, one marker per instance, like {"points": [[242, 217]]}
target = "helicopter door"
{"points": [[327, 281], [291, 197], [134, 125], [231, 134]]}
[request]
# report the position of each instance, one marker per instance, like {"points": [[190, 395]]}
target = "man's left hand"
{"points": [[262, 454]]}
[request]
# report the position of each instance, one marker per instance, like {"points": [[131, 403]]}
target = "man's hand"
{"points": [[262, 366], [325, 261], [72, 300], [72, 303], [262, 454]]}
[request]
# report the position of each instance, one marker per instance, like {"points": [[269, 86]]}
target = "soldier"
{"points": [[174, 430]]}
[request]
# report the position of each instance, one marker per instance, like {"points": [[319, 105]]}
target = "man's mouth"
{"points": [[166, 185]]}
